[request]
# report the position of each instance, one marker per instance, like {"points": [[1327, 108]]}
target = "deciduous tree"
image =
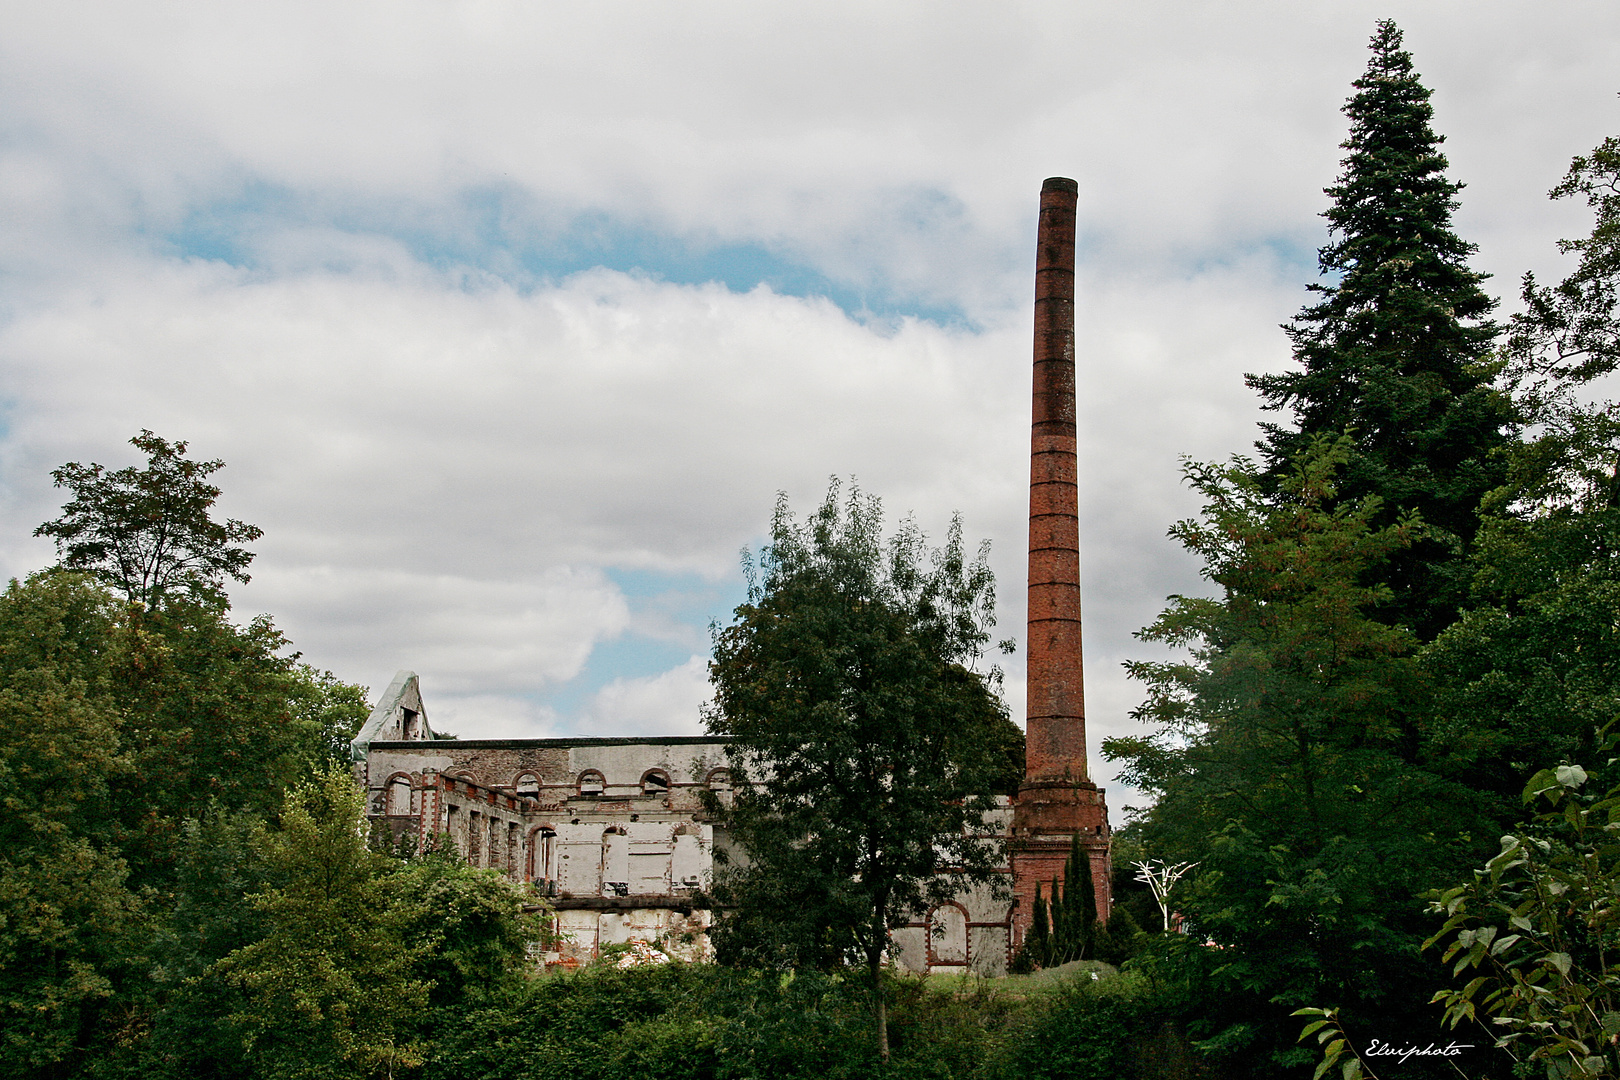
{"points": [[149, 532], [1531, 670], [865, 742], [331, 989], [64, 907]]}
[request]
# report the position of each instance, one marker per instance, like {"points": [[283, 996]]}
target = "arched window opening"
{"points": [[528, 785], [719, 780], [592, 783], [655, 782]]}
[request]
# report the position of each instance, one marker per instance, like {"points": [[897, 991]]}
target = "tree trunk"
{"points": [[881, 1011]]}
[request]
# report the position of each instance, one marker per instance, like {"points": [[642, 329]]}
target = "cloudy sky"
{"points": [[511, 318]]}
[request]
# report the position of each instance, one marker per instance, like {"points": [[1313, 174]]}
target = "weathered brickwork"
{"points": [[1057, 799]]}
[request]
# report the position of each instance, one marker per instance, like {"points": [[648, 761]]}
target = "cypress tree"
{"points": [[1057, 952], [1085, 914], [1039, 945], [1397, 350], [1074, 909]]}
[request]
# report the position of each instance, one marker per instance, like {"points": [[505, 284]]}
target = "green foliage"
{"points": [[1539, 928], [1334, 1042], [1528, 674], [331, 987], [1074, 911], [187, 1001], [1068, 930], [1036, 951], [1568, 334], [680, 1021], [222, 715], [148, 531], [470, 924], [1396, 351], [1088, 1030], [65, 912], [864, 748], [675, 1020], [1289, 763], [1120, 939]]}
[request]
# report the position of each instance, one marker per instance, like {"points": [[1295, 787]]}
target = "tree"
{"points": [[1075, 929], [65, 909], [1531, 670], [1568, 335], [1281, 763], [864, 743], [331, 989], [1397, 351], [215, 715], [148, 532]]}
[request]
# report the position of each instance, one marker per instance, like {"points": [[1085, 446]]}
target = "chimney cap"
{"points": [[1061, 183]]}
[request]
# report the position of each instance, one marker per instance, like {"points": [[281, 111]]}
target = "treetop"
{"points": [[148, 532]]}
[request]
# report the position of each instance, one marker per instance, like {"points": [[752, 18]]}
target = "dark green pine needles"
{"points": [[1397, 350]]}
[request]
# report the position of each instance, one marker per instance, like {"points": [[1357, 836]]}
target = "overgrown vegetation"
{"points": [[701, 1021]]}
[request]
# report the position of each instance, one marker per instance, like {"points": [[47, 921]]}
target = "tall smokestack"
{"points": [[1055, 740], [1057, 800]]}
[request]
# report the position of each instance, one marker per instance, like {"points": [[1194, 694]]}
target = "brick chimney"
{"points": [[1057, 799]]}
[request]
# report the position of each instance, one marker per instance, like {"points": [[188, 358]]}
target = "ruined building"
{"points": [[613, 830]]}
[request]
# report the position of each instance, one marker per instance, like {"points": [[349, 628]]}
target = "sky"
{"points": [[511, 319]]}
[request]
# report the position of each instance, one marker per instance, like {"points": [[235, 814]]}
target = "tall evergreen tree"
{"points": [[1397, 350]]}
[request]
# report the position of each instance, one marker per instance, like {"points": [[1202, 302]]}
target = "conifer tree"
{"points": [[1085, 912], [1074, 909], [1397, 350], [1058, 951], [1039, 944]]}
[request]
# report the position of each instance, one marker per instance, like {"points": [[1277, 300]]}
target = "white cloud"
{"points": [[490, 716], [663, 704]]}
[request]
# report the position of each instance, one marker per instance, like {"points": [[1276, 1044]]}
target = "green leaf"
{"points": [[1545, 780], [1310, 1028], [1559, 960], [1329, 1056], [1570, 776]]}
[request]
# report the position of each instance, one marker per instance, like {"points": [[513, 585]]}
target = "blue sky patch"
{"points": [[504, 233]]}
